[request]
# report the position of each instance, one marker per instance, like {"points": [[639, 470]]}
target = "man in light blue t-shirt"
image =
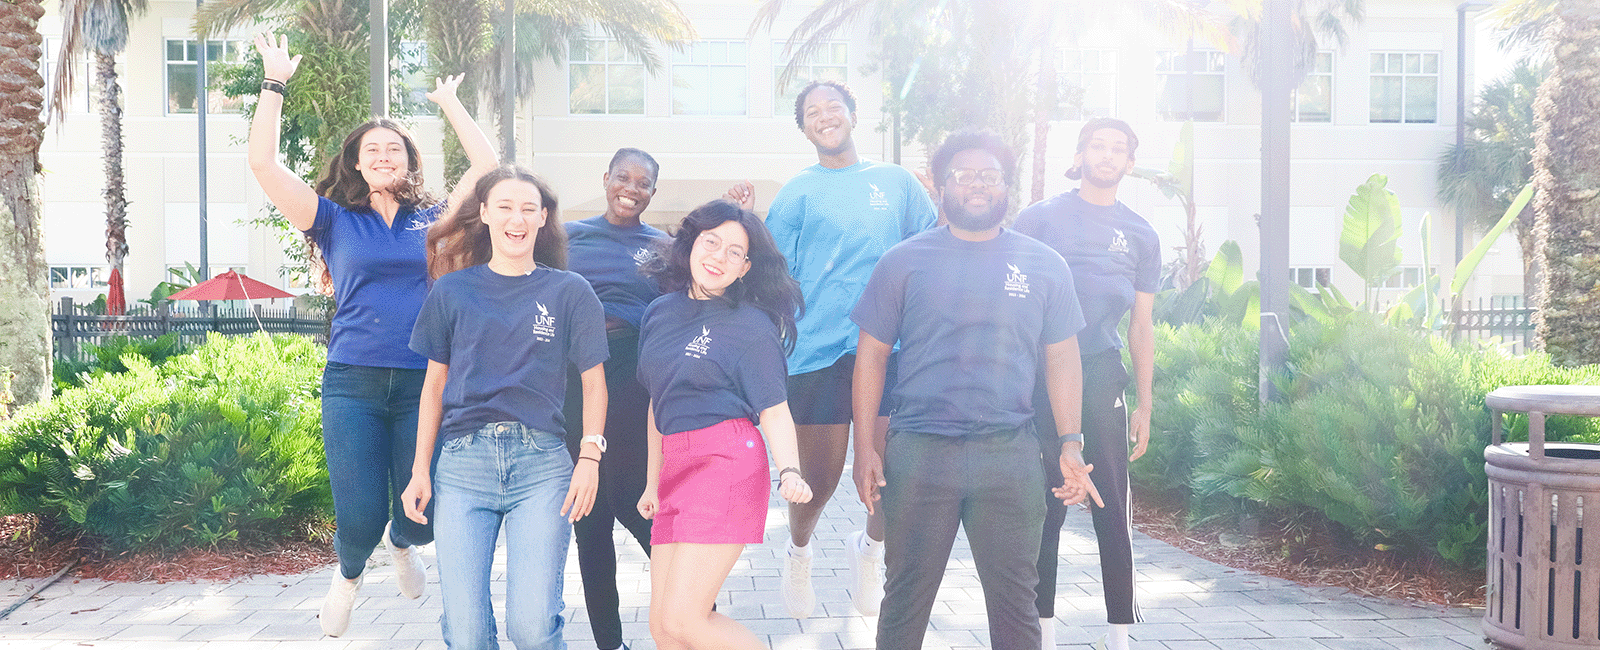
{"points": [[832, 222]]}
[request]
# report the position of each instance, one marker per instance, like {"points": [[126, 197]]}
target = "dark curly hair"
{"points": [[1087, 133], [462, 239], [800, 99], [342, 184], [965, 140], [767, 285]]}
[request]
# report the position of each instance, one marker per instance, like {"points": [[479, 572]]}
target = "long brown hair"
{"points": [[462, 239], [342, 184]]}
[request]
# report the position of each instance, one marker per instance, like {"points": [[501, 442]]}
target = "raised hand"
{"points": [[275, 59], [444, 89]]}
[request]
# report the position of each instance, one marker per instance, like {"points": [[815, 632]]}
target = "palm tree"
{"points": [[1566, 161], [466, 35], [101, 27], [1480, 178], [24, 301], [1316, 24]]}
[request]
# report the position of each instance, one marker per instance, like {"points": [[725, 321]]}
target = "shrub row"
{"points": [[221, 443], [1379, 429]]}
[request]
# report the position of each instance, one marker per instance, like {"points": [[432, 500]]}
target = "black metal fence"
{"points": [[74, 325], [1511, 327]]}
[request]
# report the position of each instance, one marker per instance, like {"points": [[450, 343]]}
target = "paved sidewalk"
{"points": [[1189, 604]]}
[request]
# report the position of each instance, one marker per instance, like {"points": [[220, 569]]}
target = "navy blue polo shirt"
{"points": [[380, 277]]}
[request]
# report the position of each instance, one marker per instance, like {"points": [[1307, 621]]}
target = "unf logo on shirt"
{"points": [[544, 325], [1119, 242], [878, 199], [641, 256], [700, 346], [1016, 282]]}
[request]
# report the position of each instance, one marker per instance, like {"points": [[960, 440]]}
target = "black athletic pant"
{"points": [[622, 479], [1105, 445]]}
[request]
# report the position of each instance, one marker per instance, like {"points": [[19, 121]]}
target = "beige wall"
{"points": [[699, 155]]}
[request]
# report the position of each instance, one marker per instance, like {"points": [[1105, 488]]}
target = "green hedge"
{"points": [[222, 443], [1381, 429]]}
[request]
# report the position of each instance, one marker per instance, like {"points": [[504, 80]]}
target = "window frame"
{"points": [[1405, 76], [1220, 73], [674, 63], [1109, 73], [783, 98], [1294, 95], [238, 50], [606, 65]]}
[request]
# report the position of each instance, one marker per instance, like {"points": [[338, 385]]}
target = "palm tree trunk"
{"points": [[1043, 110], [111, 142], [24, 283], [1566, 162]]}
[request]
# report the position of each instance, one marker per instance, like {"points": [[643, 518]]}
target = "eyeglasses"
{"points": [[990, 177], [714, 245]]}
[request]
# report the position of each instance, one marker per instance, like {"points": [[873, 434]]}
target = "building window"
{"points": [[1311, 277], [1405, 87], [1404, 278], [708, 78], [829, 63], [1313, 100], [604, 79], [181, 56], [78, 102], [1088, 84], [410, 83], [1176, 100], [79, 277]]}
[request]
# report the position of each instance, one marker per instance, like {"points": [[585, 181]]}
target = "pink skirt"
{"points": [[714, 486]]}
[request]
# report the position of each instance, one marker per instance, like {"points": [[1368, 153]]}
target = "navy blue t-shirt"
{"points": [[609, 258], [1113, 253], [508, 340], [380, 276], [706, 361], [972, 319]]}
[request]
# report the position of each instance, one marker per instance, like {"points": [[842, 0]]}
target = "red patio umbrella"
{"points": [[230, 286], [116, 298]]}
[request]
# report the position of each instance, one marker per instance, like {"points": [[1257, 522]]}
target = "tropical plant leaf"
{"points": [[1469, 262], [1227, 268], [1369, 243]]}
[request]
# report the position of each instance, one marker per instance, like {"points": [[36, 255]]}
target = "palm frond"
{"points": [[219, 16]]}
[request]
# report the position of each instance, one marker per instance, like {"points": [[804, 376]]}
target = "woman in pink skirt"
{"points": [[711, 354]]}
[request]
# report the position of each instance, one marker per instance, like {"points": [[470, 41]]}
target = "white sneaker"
{"points": [[336, 606], [865, 573], [1047, 634], [797, 593], [408, 569]]}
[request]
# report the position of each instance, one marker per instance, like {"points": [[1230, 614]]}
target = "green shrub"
{"points": [[222, 443], [1381, 429], [107, 357]]}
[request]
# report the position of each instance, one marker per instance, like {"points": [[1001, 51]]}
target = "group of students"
{"points": [[494, 369]]}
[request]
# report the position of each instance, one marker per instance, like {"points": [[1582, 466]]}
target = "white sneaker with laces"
{"points": [[408, 568], [340, 599], [865, 573], [798, 596]]}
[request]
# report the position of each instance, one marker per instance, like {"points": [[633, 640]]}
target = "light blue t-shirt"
{"points": [[832, 225]]}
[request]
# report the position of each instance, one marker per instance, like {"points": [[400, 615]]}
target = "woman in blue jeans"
{"points": [[499, 329], [368, 216]]}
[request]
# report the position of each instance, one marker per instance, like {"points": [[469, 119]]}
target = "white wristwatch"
{"points": [[599, 441]]}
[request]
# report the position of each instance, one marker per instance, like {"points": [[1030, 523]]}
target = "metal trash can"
{"points": [[1539, 596]]}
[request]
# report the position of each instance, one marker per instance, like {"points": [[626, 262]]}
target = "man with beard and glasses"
{"points": [[1116, 263], [977, 309]]}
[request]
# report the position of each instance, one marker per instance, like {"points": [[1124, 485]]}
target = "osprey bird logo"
{"points": [[704, 331], [1013, 268], [542, 310]]}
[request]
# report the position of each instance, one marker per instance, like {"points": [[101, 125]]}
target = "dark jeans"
{"points": [[622, 479], [987, 483], [369, 431], [1105, 445]]}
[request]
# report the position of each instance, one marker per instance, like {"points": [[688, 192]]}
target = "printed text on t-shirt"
{"points": [[700, 346], [1016, 282], [544, 325]]}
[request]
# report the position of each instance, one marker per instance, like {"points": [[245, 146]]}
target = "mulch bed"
{"points": [[1314, 555], [30, 548]]}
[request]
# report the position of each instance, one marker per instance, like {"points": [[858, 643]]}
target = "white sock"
{"points": [[799, 551], [1047, 634], [870, 546], [1117, 637]]}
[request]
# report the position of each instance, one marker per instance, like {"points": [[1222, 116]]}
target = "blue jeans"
{"points": [[505, 473], [369, 432]]}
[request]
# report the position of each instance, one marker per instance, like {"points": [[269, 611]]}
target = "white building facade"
{"points": [[714, 115]]}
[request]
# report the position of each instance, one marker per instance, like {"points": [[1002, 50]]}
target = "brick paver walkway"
{"points": [[1188, 603]]}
